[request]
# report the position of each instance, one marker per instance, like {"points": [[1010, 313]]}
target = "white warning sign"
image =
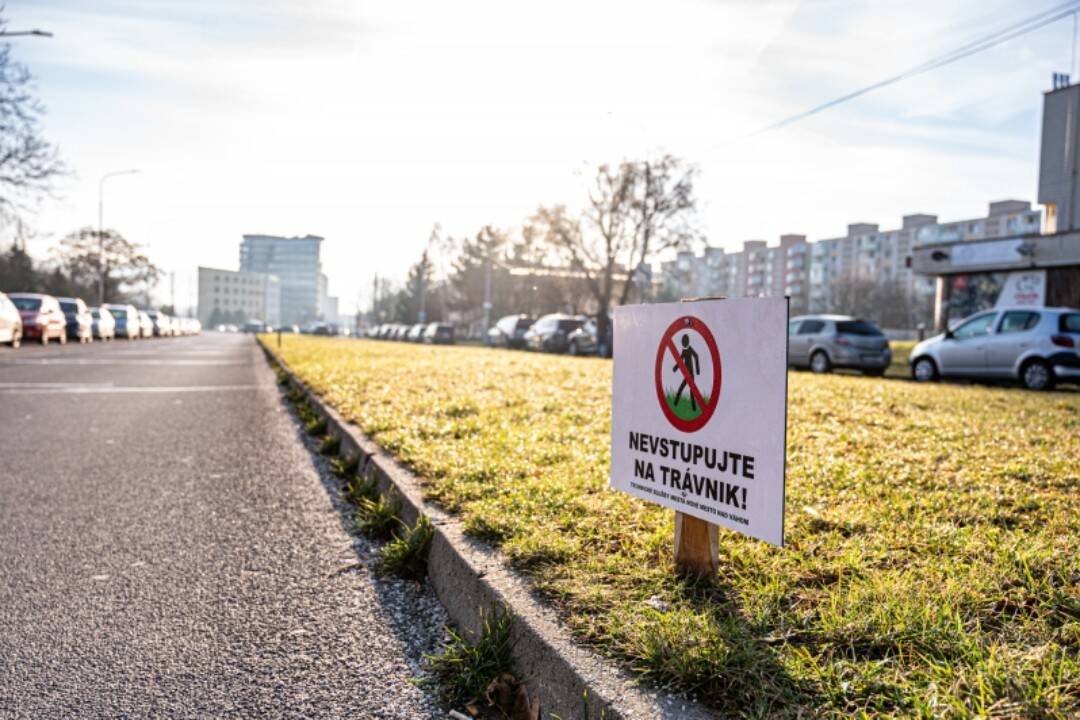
{"points": [[699, 410]]}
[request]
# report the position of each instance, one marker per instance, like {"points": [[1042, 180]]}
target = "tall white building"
{"points": [[295, 261], [328, 304]]}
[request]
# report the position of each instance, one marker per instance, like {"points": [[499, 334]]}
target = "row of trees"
{"points": [[560, 259], [76, 269], [589, 261], [889, 303], [29, 167]]}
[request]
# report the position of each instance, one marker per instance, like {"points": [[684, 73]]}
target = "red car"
{"points": [[41, 316]]}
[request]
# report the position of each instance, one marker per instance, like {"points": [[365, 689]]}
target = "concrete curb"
{"points": [[471, 579]]}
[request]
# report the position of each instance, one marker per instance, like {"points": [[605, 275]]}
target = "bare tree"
{"points": [[28, 162], [886, 302], [634, 211], [664, 205], [126, 269]]}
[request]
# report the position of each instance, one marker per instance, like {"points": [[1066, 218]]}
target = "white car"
{"points": [[1037, 346], [10, 322]]}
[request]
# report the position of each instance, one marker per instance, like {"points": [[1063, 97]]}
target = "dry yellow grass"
{"points": [[931, 568]]}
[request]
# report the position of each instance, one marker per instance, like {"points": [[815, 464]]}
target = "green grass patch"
{"points": [[407, 553], [330, 444], [931, 566], [315, 424], [345, 466], [685, 408], [357, 489], [467, 665], [379, 518]]}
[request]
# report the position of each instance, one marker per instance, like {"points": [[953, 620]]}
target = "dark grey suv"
{"points": [[824, 342]]}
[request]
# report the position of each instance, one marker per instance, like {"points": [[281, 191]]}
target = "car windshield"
{"points": [[976, 326], [1070, 323], [857, 327], [24, 303], [522, 324], [69, 307], [569, 325]]}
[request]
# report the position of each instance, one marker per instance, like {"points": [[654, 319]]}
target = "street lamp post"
{"points": [[101, 229]]}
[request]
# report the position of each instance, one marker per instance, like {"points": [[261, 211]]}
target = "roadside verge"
{"points": [[473, 581]]}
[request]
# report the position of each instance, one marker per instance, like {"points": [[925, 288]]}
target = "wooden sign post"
{"points": [[697, 546]]}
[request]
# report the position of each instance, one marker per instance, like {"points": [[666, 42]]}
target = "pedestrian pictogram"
{"points": [[688, 374]]}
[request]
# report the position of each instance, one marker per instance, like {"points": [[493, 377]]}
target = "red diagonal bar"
{"points": [[686, 374]]}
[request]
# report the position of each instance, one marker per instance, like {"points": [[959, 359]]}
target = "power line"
{"points": [[986, 42]]}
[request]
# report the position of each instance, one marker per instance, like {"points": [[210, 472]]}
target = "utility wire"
{"points": [[984, 43]]}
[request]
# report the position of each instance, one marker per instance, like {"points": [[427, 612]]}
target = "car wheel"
{"points": [[924, 370], [1037, 375], [573, 348], [819, 362]]}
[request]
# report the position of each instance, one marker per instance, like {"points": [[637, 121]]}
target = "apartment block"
{"points": [[811, 272], [228, 296]]}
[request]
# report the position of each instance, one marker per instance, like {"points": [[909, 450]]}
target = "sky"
{"points": [[367, 122]]}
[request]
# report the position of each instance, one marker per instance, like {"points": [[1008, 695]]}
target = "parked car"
{"points": [[79, 321], [160, 325], [146, 325], [321, 328], [103, 326], [1037, 346], [415, 333], [509, 331], [824, 342], [551, 333], [41, 317], [10, 322], [439, 334], [128, 323], [584, 340], [254, 326]]}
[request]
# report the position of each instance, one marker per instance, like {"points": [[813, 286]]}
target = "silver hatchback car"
{"points": [[824, 342], [1037, 346]]}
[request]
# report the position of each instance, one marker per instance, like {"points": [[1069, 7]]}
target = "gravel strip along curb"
{"points": [[470, 579]]}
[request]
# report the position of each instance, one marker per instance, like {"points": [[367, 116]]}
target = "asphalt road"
{"points": [[169, 547]]}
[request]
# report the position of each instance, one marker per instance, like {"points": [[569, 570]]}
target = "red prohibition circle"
{"points": [[667, 352]]}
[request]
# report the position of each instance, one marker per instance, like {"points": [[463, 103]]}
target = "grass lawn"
{"points": [[901, 349], [932, 566]]}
